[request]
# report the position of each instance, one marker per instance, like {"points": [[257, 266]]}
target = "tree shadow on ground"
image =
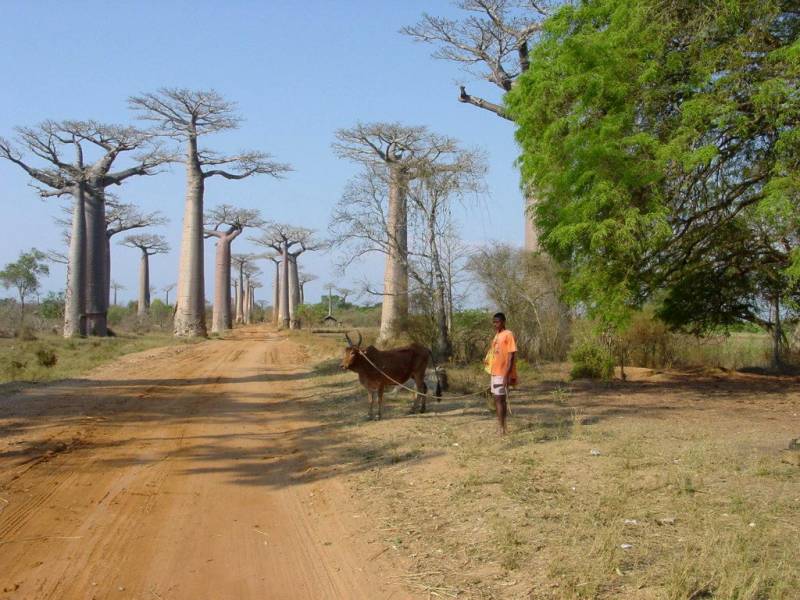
{"points": [[273, 438]]}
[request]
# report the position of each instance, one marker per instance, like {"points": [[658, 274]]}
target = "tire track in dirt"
{"points": [[185, 482]]}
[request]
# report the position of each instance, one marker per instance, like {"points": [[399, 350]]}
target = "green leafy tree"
{"points": [[663, 139], [24, 276]]}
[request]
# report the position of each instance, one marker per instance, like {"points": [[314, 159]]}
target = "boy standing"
{"points": [[504, 370]]}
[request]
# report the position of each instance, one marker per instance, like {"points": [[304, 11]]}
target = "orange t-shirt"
{"points": [[503, 345]]}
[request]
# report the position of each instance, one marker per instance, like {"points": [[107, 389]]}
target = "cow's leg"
{"points": [[419, 396], [371, 402], [380, 403]]}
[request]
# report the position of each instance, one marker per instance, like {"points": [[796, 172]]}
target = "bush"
{"points": [[526, 287], [591, 359], [648, 342], [46, 357], [471, 335], [52, 306], [116, 314]]}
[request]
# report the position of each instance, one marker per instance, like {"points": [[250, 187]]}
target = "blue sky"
{"points": [[298, 72]]}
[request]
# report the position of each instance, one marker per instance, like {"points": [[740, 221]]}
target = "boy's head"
{"points": [[499, 321]]}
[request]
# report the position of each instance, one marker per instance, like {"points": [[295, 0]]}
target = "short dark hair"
{"points": [[500, 316]]}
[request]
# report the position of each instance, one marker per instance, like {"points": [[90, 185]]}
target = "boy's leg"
{"points": [[501, 409]]}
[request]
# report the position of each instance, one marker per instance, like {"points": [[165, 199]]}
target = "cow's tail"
{"points": [[441, 378]]}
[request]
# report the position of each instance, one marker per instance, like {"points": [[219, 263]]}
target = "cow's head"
{"points": [[351, 352]]}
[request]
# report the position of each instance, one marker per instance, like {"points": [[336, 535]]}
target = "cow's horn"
{"points": [[360, 339], [349, 341]]}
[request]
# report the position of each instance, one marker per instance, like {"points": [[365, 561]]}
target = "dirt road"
{"points": [[180, 473]]}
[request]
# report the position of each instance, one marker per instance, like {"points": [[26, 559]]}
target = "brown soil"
{"points": [[196, 472]]}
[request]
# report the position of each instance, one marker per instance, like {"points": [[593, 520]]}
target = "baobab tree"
{"points": [[86, 182], [275, 258], [303, 278], [148, 245], [241, 262], [124, 216], [226, 223], [399, 151], [187, 115], [251, 271], [289, 243], [491, 42], [280, 238], [116, 286], [167, 289]]}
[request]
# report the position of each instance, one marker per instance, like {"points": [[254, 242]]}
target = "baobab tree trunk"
{"points": [[190, 318], [283, 311], [144, 285], [74, 304], [294, 293], [246, 302], [96, 292], [394, 312], [221, 317], [531, 235], [107, 280], [276, 298], [240, 295]]}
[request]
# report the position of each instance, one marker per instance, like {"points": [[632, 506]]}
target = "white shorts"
{"points": [[498, 385]]}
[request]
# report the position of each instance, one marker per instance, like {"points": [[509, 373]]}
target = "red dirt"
{"points": [[179, 473]]}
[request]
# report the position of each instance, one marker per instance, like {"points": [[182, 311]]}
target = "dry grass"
{"points": [[27, 360], [687, 499]]}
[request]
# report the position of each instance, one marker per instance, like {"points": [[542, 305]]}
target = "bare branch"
{"points": [[242, 165], [490, 42]]}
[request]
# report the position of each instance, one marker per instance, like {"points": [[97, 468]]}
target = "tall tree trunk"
{"points": [[74, 298], [190, 317], [283, 311], [276, 298], [294, 290], [777, 334], [107, 280], [246, 302], [443, 348], [144, 285], [221, 317], [302, 293], [96, 293], [236, 292], [531, 235], [240, 296], [394, 312]]}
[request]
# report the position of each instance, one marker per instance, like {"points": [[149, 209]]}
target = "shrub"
{"points": [[46, 357], [471, 335], [591, 358], [116, 314]]}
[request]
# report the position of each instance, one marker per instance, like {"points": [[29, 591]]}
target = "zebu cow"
{"points": [[398, 365]]}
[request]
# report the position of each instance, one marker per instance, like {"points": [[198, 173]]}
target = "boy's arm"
{"points": [[511, 357]]}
